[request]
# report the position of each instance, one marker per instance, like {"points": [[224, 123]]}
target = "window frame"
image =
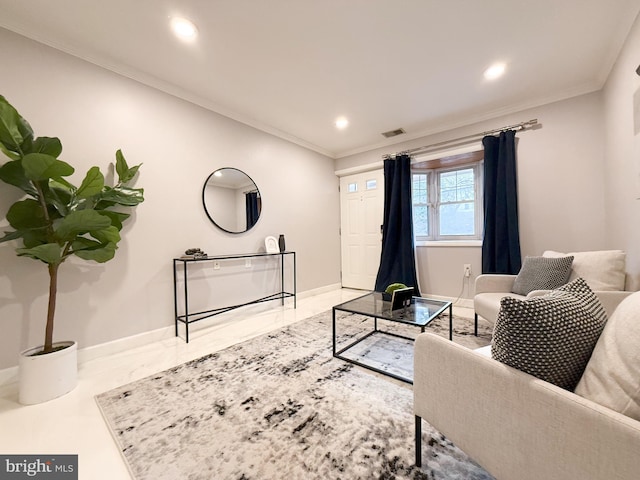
{"points": [[433, 201]]}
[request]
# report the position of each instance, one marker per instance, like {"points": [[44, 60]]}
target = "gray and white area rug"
{"points": [[280, 406]]}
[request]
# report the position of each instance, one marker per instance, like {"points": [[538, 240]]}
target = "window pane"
{"points": [[419, 188], [457, 186], [420, 197], [457, 219], [353, 187], [420, 220], [372, 184]]}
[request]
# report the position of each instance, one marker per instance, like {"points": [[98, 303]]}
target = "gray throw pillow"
{"points": [[550, 337], [542, 273]]}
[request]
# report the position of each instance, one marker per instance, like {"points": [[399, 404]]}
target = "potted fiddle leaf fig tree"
{"points": [[52, 222]]}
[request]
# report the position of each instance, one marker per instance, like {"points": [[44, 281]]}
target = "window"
{"points": [[447, 202]]}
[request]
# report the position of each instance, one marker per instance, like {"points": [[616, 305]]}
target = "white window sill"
{"points": [[450, 243]]}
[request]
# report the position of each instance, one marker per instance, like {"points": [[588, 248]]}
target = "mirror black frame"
{"points": [[210, 215]]}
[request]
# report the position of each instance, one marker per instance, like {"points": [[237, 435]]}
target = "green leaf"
{"points": [[13, 174], [121, 165], [9, 153], [40, 166], [11, 236], [50, 253], [92, 184], [61, 183], [125, 174], [110, 234], [34, 237], [58, 196], [100, 255], [82, 243], [26, 214], [47, 145], [116, 217], [13, 128], [123, 196], [80, 222], [132, 173]]}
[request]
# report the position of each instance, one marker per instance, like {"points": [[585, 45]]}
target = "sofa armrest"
{"points": [[492, 282], [611, 299], [518, 426]]}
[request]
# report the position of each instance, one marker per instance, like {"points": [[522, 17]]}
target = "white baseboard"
{"points": [[462, 302], [10, 375], [126, 343], [319, 291]]}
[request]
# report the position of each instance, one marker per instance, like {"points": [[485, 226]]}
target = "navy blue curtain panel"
{"points": [[397, 260], [253, 212], [501, 242]]}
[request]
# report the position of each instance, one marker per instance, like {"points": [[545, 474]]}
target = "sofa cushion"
{"points": [[612, 376], [487, 305], [551, 336], [602, 270], [542, 273]]}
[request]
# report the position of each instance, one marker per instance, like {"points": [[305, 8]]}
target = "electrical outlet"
{"points": [[216, 265], [247, 263], [467, 269]]}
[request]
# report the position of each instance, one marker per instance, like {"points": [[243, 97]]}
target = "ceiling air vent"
{"points": [[393, 133]]}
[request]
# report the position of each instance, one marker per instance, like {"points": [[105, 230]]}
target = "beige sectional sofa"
{"points": [[519, 427]]}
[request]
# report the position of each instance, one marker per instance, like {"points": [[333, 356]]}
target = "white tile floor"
{"points": [[72, 424]]}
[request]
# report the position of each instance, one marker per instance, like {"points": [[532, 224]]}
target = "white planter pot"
{"points": [[45, 377]]}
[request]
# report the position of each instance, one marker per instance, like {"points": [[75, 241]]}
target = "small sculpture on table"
{"points": [[195, 253], [399, 295]]}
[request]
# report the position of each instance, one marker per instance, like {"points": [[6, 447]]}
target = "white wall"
{"points": [[561, 188], [95, 112], [623, 155]]}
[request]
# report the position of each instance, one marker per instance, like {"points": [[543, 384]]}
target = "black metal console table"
{"points": [[190, 317]]}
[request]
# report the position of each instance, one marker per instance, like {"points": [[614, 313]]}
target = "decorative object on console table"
{"points": [[194, 253], [281, 243], [56, 221], [271, 245]]}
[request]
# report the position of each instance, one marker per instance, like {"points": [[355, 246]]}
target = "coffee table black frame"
{"points": [[421, 312]]}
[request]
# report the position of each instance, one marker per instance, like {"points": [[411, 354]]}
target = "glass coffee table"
{"points": [[384, 351]]}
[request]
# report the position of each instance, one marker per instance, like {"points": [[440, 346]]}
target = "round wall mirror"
{"points": [[231, 200]]}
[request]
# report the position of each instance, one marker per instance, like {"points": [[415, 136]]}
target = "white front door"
{"points": [[361, 212]]}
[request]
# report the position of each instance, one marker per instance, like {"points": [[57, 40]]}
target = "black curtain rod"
{"points": [[462, 140]]}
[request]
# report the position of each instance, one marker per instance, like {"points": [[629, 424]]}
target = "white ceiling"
{"points": [[291, 67]]}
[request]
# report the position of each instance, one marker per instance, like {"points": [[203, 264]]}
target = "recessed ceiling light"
{"points": [[183, 28], [495, 71], [342, 123]]}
